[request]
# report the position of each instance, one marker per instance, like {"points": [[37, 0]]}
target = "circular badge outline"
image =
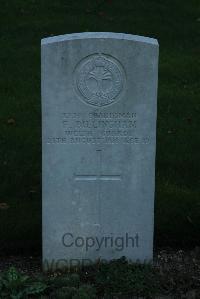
{"points": [[112, 68], [116, 62]]}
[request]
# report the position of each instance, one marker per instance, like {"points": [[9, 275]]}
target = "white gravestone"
{"points": [[99, 100]]}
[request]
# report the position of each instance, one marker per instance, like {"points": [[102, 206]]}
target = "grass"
{"points": [[176, 24], [174, 274]]}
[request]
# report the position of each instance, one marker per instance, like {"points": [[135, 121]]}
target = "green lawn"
{"points": [[176, 25]]}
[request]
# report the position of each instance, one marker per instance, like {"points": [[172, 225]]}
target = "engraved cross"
{"points": [[98, 178]]}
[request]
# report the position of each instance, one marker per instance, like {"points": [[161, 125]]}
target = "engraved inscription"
{"points": [[99, 128], [99, 79]]}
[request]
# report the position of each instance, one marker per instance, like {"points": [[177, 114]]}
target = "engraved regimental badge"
{"points": [[99, 79]]}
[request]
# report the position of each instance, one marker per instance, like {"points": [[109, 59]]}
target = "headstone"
{"points": [[99, 99]]}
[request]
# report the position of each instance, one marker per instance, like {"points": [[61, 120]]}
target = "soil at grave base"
{"points": [[179, 268]]}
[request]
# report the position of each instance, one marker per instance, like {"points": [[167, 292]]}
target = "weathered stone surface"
{"points": [[99, 95]]}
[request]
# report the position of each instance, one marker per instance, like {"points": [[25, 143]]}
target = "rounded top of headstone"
{"points": [[96, 35]]}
